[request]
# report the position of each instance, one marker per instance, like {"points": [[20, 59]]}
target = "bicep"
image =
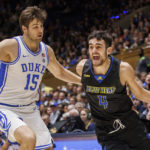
{"points": [[54, 66], [127, 75], [3, 51], [8, 49]]}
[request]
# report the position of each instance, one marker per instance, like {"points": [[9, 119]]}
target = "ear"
{"points": [[109, 50], [24, 28]]}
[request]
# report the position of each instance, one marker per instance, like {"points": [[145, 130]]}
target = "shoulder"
{"points": [[8, 49], [82, 62], [51, 55], [8, 43], [124, 66], [50, 50], [80, 65], [126, 72]]}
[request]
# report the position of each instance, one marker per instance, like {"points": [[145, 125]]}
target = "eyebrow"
{"points": [[35, 24], [96, 44]]}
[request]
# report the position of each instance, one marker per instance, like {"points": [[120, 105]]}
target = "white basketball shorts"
{"points": [[10, 121]]}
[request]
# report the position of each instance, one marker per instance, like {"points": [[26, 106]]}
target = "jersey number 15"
{"points": [[31, 82]]}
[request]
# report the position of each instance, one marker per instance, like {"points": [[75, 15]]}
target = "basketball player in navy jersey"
{"points": [[23, 60], [104, 79]]}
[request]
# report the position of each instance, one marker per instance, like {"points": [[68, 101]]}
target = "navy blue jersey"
{"points": [[107, 97]]}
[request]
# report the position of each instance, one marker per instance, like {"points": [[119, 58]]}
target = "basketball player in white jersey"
{"points": [[23, 60]]}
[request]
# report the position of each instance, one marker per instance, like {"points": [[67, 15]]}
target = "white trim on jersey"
{"points": [[19, 53], [19, 83], [31, 52], [3, 75]]}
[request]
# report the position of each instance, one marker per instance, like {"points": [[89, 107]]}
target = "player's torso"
{"points": [[19, 80], [105, 93]]}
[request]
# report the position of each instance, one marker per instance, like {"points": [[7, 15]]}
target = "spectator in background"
{"points": [[148, 116], [79, 89], [48, 99], [42, 109], [79, 106], [55, 96], [55, 114], [119, 47], [73, 100], [138, 105], [84, 54], [74, 122], [147, 82], [127, 44], [70, 107], [147, 41], [69, 87], [61, 109], [62, 98], [146, 122], [84, 100], [48, 110], [147, 110], [135, 42], [143, 64], [142, 77], [46, 119], [86, 118], [65, 107]]}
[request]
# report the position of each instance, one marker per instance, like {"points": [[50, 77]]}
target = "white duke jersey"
{"points": [[20, 79]]}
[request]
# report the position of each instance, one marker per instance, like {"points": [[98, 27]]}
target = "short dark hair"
{"points": [[101, 35], [30, 13]]}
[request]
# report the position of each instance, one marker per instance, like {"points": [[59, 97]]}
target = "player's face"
{"points": [[35, 30], [97, 51]]}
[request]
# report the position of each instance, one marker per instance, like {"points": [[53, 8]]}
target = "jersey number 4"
{"points": [[103, 101], [31, 82]]}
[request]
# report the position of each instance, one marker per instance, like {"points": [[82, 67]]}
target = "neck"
{"points": [[102, 69], [31, 44]]}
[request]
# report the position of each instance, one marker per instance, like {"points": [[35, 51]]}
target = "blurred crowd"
{"points": [[66, 109], [69, 23]]}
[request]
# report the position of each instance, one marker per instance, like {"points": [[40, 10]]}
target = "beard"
{"points": [[33, 37], [98, 61]]}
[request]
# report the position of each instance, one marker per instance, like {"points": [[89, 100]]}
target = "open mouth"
{"points": [[96, 57], [40, 36]]}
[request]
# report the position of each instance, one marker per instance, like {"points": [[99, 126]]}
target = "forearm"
{"points": [[143, 96], [68, 76], [59, 71]]}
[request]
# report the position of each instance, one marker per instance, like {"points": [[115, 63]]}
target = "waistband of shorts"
{"points": [[10, 105], [125, 116]]}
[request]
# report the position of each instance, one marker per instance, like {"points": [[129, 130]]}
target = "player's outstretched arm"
{"points": [[127, 75], [8, 50], [59, 71]]}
